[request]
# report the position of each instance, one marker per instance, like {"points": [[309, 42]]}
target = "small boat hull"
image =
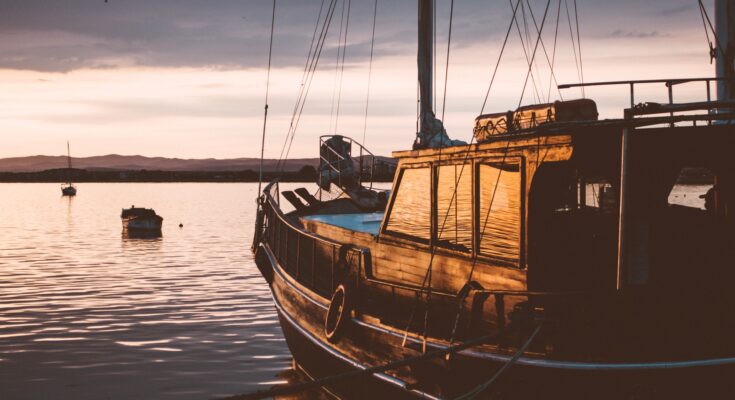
{"points": [[143, 223], [68, 191]]}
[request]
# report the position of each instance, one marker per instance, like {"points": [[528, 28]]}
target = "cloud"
{"points": [[678, 10], [619, 33]]}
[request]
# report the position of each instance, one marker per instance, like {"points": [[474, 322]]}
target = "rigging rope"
{"points": [[342, 71], [370, 71], [428, 274], [574, 46], [706, 34], [500, 56], [267, 87], [714, 32], [553, 57], [303, 82], [304, 79], [481, 388], [284, 390], [312, 71], [495, 189], [552, 75], [533, 55], [579, 45], [446, 67], [336, 68], [528, 40]]}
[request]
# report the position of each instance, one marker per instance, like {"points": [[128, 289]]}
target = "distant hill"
{"points": [[115, 162]]}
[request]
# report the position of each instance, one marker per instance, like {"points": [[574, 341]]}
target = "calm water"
{"points": [[86, 313]]}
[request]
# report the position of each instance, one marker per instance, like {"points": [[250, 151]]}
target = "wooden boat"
{"points": [[68, 189], [551, 242], [141, 219]]}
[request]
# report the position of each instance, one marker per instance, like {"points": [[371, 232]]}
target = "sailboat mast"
{"points": [[725, 31], [68, 155], [425, 60]]}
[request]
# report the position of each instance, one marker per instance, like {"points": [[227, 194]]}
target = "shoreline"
{"points": [[307, 174]]}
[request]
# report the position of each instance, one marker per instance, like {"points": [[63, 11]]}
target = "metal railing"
{"points": [[640, 109], [335, 160], [316, 262]]}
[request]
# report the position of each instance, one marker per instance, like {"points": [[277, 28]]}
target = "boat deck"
{"points": [[359, 222]]}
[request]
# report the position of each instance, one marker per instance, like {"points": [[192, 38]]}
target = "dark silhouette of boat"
{"points": [[547, 250], [68, 189], [141, 219]]}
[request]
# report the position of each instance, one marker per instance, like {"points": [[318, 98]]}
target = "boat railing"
{"points": [[504, 300], [316, 262], [334, 159], [641, 109]]}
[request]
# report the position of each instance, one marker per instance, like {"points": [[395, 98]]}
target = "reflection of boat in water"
{"points": [[545, 256], [141, 219], [141, 234], [68, 189]]}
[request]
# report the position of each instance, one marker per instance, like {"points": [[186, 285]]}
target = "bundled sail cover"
{"points": [[526, 117]]}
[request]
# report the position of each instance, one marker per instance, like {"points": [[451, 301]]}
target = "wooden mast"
{"points": [[425, 64], [725, 55], [425, 61]]}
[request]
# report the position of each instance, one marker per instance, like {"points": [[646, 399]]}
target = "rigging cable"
{"points": [[553, 56], [342, 71], [546, 54], [533, 55], [500, 56], [714, 32], [706, 34], [446, 68], [428, 273], [304, 79], [312, 72], [267, 87], [528, 40], [574, 45], [433, 53], [370, 72], [368, 371], [481, 388], [579, 45], [520, 36], [495, 188], [336, 67]]}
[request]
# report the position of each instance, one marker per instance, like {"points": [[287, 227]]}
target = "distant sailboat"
{"points": [[68, 189]]}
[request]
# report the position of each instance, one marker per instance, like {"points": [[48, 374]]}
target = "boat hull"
{"points": [[69, 191], [143, 223], [301, 315]]}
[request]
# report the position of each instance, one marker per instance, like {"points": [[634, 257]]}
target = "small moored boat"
{"points": [[68, 189], [140, 218]]}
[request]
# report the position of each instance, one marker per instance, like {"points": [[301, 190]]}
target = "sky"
{"points": [[187, 78]]}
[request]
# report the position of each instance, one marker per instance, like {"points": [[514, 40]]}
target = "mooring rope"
{"points": [[283, 390], [482, 387]]}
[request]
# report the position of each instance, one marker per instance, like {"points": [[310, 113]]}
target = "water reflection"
{"points": [[141, 234], [87, 312]]}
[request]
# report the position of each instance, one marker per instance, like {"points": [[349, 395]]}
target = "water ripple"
{"points": [[87, 313]]}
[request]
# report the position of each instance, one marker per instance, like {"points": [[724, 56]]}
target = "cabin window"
{"points": [[500, 211], [454, 207], [694, 189], [411, 211]]}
